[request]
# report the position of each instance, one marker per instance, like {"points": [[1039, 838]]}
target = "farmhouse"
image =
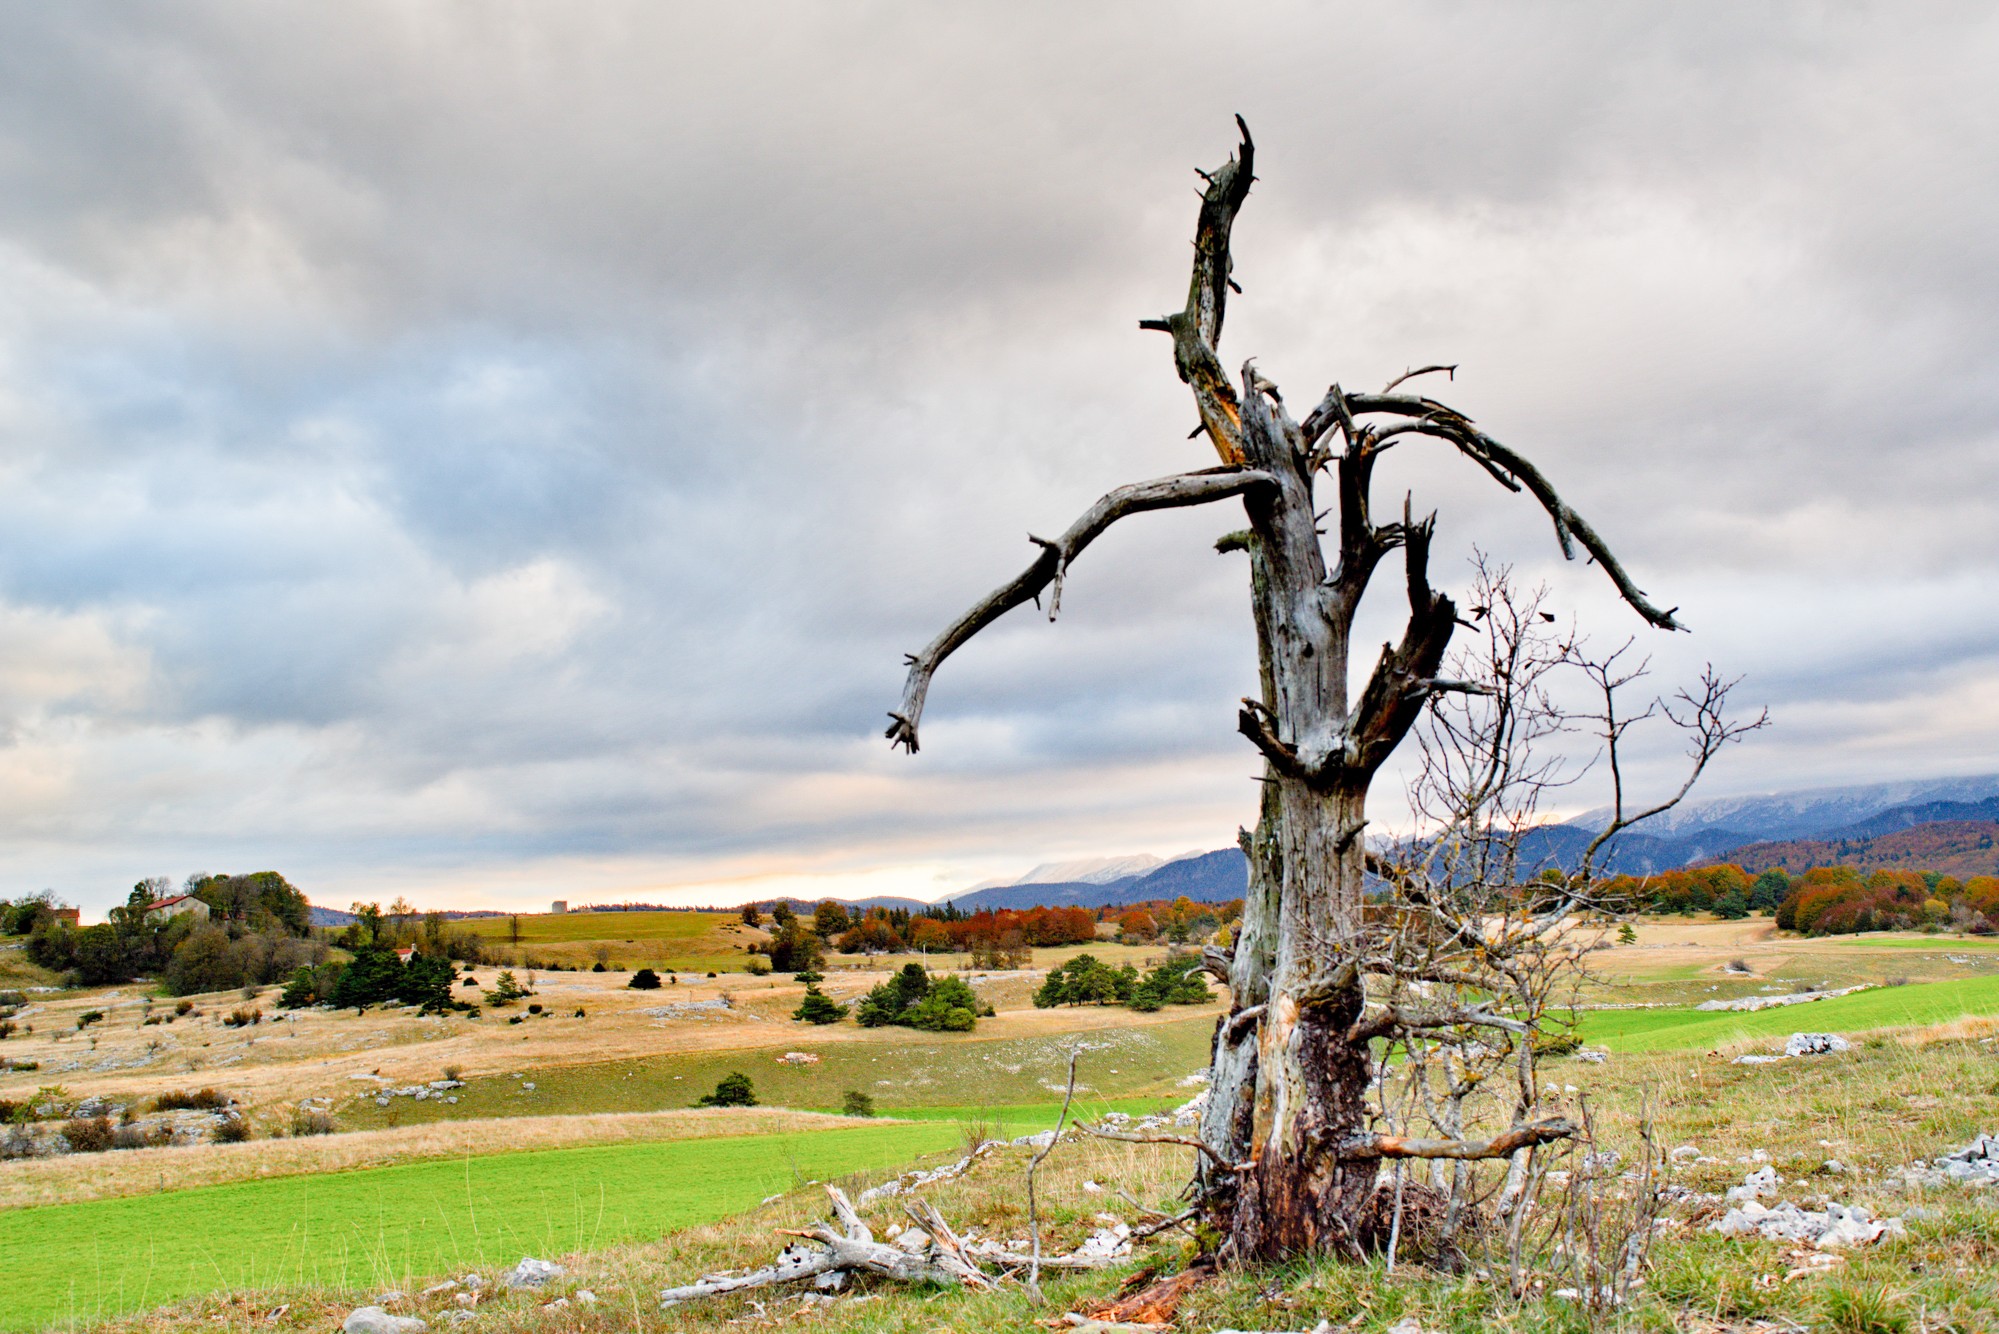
{"points": [[176, 906], [69, 917]]}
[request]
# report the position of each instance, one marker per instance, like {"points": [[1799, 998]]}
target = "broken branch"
{"points": [[1499, 1146]]}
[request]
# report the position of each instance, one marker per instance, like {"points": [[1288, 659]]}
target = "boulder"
{"points": [[532, 1273], [1763, 1181], [1815, 1044], [374, 1320]]}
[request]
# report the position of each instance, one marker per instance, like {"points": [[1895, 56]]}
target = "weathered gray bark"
{"points": [[1290, 1158]]}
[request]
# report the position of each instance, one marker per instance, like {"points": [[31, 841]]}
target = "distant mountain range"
{"points": [[1810, 812], [1943, 824], [1838, 822], [1086, 871], [1204, 877]]}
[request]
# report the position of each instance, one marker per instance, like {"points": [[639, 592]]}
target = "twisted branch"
{"points": [[1194, 488]]}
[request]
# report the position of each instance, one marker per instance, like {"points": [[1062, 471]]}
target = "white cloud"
{"points": [[493, 452]]}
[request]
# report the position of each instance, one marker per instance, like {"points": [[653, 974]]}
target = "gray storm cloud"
{"points": [[478, 450]]}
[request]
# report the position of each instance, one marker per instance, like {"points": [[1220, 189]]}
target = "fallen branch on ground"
{"points": [[828, 1254]]}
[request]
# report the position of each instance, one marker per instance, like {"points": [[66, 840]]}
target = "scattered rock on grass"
{"points": [[1770, 1002], [1763, 1181], [374, 1320], [1799, 1044], [1815, 1044], [1840, 1225], [532, 1273], [1976, 1164]]}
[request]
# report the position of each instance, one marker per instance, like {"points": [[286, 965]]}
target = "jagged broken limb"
{"points": [[850, 1249]]}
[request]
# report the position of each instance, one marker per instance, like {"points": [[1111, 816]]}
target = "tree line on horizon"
{"points": [[993, 938], [1825, 900]]}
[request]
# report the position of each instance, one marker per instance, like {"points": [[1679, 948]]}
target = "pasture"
{"points": [[390, 1226], [570, 1132], [901, 1070], [1679, 1029], [1875, 1108]]}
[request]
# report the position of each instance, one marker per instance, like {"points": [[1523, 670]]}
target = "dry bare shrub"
{"points": [[192, 1100], [88, 1134], [305, 1122], [141, 1137]]}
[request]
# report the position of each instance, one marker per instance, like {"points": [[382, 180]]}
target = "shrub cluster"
{"points": [[306, 1122], [1087, 980], [733, 1091], [818, 1007], [912, 998], [376, 976], [192, 1100]]}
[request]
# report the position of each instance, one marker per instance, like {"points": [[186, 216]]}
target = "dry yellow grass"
{"points": [[1971, 1028], [143, 1171], [318, 1053]]}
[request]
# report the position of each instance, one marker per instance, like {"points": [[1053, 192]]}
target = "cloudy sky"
{"points": [[493, 452]]}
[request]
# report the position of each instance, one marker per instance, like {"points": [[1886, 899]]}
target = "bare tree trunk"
{"points": [[1290, 1160]]}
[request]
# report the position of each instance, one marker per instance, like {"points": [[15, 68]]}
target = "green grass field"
{"points": [[678, 928], [1884, 1007], [916, 1070], [389, 1227]]}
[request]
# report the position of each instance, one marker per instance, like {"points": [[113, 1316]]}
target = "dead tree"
{"points": [[1480, 935], [1291, 1150]]}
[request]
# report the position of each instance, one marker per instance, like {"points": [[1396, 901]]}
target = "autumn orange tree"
{"points": [[1291, 1147]]}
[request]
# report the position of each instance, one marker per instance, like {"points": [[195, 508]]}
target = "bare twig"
{"points": [[1034, 1163], [1184, 1141]]}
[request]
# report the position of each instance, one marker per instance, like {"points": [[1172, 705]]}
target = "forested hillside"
{"points": [[1954, 847]]}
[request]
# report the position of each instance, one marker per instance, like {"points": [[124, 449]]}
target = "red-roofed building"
{"points": [[176, 906]]}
